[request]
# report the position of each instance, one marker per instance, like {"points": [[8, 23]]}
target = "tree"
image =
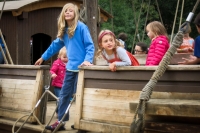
{"points": [[125, 16]]}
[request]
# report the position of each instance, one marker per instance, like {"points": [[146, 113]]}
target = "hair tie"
{"points": [[105, 33]]}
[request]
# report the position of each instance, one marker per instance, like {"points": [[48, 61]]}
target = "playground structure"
{"points": [[106, 101], [21, 87]]}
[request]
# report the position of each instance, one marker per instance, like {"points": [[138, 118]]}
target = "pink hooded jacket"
{"points": [[157, 50], [59, 69]]}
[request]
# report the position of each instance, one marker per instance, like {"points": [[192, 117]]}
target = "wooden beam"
{"points": [[159, 127], [170, 107], [102, 127], [79, 99], [92, 18]]}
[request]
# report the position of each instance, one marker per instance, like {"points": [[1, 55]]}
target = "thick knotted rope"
{"points": [[137, 125]]}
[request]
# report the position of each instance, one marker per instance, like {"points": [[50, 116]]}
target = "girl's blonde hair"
{"points": [[63, 51], [157, 28], [62, 24], [101, 35]]}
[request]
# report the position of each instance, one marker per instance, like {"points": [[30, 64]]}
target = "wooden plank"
{"points": [[16, 94], [112, 92], [103, 127], [7, 66], [12, 114], [18, 101], [138, 85], [142, 68], [160, 127], [109, 98], [112, 119], [175, 95], [38, 89], [17, 81], [170, 107], [17, 77], [16, 106], [21, 72], [107, 110], [79, 99], [106, 104]]}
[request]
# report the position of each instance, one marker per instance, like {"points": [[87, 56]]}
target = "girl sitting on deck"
{"points": [[113, 52]]}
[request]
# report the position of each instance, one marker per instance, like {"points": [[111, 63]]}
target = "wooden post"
{"points": [[92, 18]]}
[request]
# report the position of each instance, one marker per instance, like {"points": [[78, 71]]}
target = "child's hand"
{"points": [[184, 62], [192, 57], [190, 49], [53, 76], [39, 61], [86, 63], [112, 67]]}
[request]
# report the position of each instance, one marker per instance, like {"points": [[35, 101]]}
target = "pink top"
{"points": [[157, 50], [59, 69]]}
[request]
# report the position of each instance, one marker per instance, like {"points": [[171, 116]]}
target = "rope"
{"points": [[181, 13], [83, 16], [2, 8], [137, 126], [159, 12], [195, 7], [146, 20], [174, 21], [136, 30]]}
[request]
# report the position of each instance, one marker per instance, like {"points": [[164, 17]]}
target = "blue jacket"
{"points": [[197, 47], [80, 47]]}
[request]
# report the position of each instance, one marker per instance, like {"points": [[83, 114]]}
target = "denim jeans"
{"points": [[57, 94], [1, 56], [68, 89], [57, 91]]}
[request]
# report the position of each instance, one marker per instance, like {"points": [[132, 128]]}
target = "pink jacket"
{"points": [[59, 69], [157, 50]]}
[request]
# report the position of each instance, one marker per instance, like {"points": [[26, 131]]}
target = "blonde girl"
{"points": [[112, 50], [75, 36], [159, 43], [57, 71], [188, 43]]}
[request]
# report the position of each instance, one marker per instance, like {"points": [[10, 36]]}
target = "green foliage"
{"points": [[127, 13]]}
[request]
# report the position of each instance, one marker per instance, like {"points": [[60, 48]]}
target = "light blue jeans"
{"points": [[57, 94]]}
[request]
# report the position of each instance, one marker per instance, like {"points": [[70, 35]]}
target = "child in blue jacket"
{"points": [[75, 36]]}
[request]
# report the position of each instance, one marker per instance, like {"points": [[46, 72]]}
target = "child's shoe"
{"points": [[53, 126]]}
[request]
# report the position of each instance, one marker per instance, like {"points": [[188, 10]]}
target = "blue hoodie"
{"points": [[80, 47]]}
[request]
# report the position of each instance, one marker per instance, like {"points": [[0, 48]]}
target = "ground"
{"points": [[50, 109]]}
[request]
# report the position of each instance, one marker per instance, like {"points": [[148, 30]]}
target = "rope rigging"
{"points": [[138, 124], [137, 22]]}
